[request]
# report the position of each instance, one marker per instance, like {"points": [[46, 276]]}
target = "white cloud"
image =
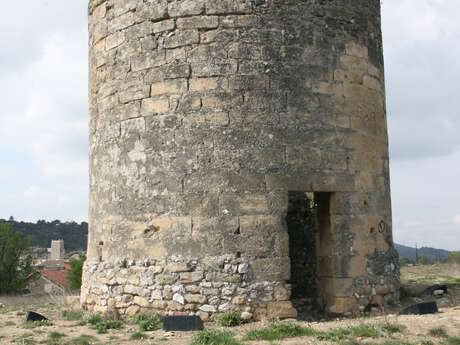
{"points": [[457, 219], [43, 124], [30, 192]]}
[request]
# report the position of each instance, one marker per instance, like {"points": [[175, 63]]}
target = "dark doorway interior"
{"points": [[308, 222]]}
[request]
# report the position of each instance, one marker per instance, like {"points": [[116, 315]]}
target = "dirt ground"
{"points": [[13, 329]]}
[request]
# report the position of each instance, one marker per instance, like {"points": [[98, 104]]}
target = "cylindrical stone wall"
{"points": [[204, 114]]}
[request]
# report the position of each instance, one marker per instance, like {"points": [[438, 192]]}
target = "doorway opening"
{"points": [[310, 245]]}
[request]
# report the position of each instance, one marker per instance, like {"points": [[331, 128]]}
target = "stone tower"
{"points": [[238, 157], [57, 250]]}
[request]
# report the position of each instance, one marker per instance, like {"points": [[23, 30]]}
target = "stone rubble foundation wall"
{"points": [[176, 285]]}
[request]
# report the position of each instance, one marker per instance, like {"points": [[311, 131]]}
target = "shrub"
{"points": [[75, 272], [147, 322], [231, 318], [214, 337], [15, 267]]}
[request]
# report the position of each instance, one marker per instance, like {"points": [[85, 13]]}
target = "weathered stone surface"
{"points": [[281, 310], [206, 117]]}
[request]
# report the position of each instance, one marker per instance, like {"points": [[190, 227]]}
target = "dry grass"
{"points": [[431, 274]]}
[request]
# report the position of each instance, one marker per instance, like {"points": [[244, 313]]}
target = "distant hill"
{"points": [[432, 254], [75, 235]]}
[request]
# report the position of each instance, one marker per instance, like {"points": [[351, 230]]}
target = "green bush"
{"points": [[75, 273], [230, 318], [15, 266], [454, 258], [147, 322]]}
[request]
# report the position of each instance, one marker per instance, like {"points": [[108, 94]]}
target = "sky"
{"points": [[43, 118]]}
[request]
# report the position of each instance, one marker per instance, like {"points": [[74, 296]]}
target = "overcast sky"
{"points": [[43, 118]]}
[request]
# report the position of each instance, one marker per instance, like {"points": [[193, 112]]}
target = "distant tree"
{"points": [[75, 273], [15, 265], [454, 258], [423, 260]]}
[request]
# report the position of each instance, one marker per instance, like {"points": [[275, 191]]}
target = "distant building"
{"points": [[57, 250], [55, 279]]}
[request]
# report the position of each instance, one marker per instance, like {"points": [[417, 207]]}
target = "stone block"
{"points": [[186, 8], [271, 269], [194, 298], [114, 40], [164, 25], [182, 38], [203, 22], [172, 86], [281, 310], [141, 301], [191, 277], [122, 22], [213, 69], [341, 305], [154, 106], [228, 6]]}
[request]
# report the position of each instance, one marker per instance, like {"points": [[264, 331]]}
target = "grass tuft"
{"points": [[103, 324], [397, 342], [147, 322], [24, 339], [364, 331], [392, 328], [138, 336], [54, 338], [453, 341], [83, 340], [438, 332], [72, 315], [278, 331], [230, 318], [214, 337]]}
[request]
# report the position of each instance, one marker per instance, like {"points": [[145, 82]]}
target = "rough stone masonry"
{"points": [[238, 158]]}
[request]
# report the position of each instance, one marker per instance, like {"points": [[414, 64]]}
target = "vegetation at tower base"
{"points": [[15, 264], [212, 124]]}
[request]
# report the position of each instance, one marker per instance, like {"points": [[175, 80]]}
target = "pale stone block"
{"points": [[172, 86], [154, 106]]}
